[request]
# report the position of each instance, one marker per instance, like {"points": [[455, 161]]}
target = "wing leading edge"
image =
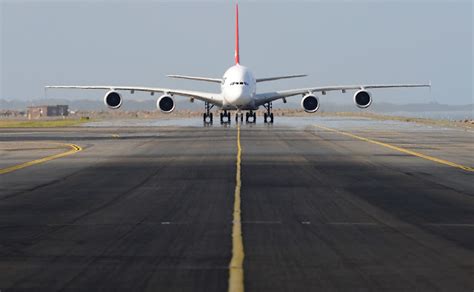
{"points": [[213, 98], [265, 97]]}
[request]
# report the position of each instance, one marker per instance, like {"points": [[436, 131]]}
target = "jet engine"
{"points": [[310, 103], [113, 99], [362, 99], [165, 103]]}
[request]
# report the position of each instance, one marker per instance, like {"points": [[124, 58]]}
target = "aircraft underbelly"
{"points": [[246, 107], [240, 104]]}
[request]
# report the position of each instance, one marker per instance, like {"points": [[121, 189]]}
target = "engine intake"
{"points": [[113, 99], [165, 103], [362, 99], [310, 103]]}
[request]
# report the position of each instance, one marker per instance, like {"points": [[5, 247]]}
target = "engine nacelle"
{"points": [[362, 99], [113, 99], [165, 103], [310, 103]]}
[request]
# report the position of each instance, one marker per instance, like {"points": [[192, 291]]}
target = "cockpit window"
{"points": [[239, 83]]}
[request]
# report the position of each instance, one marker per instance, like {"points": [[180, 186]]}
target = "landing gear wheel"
{"points": [[207, 116], [268, 116], [239, 116], [251, 117], [225, 118]]}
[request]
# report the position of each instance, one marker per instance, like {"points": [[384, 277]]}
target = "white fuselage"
{"points": [[238, 88]]}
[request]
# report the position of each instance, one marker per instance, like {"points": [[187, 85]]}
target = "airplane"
{"points": [[239, 92]]}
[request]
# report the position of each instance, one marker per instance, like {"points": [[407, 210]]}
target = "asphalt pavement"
{"points": [[326, 205]]}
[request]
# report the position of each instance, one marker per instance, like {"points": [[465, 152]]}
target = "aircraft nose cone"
{"points": [[235, 94]]}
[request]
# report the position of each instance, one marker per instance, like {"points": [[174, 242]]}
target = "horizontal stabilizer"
{"points": [[216, 80], [280, 77]]}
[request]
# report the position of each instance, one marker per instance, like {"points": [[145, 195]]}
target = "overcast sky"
{"points": [[335, 42]]}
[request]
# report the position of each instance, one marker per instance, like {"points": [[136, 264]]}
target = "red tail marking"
{"points": [[237, 56]]}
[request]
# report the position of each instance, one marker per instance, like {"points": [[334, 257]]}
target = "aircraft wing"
{"points": [[262, 98], [213, 98]]}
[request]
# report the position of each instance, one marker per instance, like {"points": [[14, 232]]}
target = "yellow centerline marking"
{"points": [[400, 149], [236, 269], [74, 148]]}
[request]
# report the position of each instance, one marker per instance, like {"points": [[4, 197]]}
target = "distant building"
{"points": [[36, 112]]}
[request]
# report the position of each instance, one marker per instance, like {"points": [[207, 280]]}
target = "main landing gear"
{"points": [[225, 118], [268, 116], [207, 116], [251, 117]]}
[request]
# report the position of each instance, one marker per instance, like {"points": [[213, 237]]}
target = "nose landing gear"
{"points": [[239, 116], [268, 116]]}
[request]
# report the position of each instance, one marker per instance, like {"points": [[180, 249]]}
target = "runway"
{"points": [[145, 206]]}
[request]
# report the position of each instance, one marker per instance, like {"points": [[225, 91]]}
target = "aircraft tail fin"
{"points": [[237, 53]]}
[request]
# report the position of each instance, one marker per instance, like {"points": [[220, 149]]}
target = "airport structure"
{"points": [[37, 112]]}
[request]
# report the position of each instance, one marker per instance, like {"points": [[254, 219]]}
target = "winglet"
{"points": [[237, 55]]}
